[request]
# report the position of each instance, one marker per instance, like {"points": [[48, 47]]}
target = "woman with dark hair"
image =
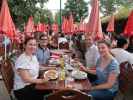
{"points": [[107, 71], [26, 73], [120, 52], [43, 52]]}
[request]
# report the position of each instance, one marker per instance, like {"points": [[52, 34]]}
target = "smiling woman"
{"points": [[26, 73], [107, 70]]}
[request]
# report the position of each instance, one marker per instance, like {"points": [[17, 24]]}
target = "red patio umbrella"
{"points": [[71, 25], [55, 28], [40, 27], [99, 34], [6, 23], [75, 26], [94, 24], [81, 25], [29, 26], [110, 27], [128, 31], [65, 25]]}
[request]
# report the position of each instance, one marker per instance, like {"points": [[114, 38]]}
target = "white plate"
{"points": [[68, 67], [79, 75], [51, 74]]}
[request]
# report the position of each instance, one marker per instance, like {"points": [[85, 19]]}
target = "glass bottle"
{"points": [[62, 70], [62, 74]]}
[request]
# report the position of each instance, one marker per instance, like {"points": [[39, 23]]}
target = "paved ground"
{"points": [[3, 92]]}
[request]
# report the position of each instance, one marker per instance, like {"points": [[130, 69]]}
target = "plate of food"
{"points": [[54, 61], [79, 75], [51, 74], [69, 67]]}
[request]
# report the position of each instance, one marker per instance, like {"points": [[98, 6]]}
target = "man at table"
{"points": [[92, 53], [43, 52]]}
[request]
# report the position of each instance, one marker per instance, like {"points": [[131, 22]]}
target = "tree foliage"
{"points": [[43, 16], [22, 9], [78, 8], [57, 18], [110, 6]]}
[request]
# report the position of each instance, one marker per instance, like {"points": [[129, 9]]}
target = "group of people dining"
{"points": [[101, 65]]}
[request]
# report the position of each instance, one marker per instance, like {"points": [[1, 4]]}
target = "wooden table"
{"points": [[83, 85]]}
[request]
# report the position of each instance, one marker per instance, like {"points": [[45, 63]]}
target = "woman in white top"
{"points": [[26, 73]]}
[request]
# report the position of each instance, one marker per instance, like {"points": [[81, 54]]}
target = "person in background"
{"points": [[92, 53], [27, 72], [43, 52], [107, 70], [120, 53], [62, 39], [130, 46], [53, 41]]}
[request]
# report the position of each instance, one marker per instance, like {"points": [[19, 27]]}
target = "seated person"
{"points": [[107, 71], [130, 46], [62, 39], [120, 53], [53, 41], [92, 53], [63, 42], [43, 52], [26, 74]]}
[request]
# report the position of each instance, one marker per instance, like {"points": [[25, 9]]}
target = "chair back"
{"points": [[126, 77], [7, 73], [69, 94]]}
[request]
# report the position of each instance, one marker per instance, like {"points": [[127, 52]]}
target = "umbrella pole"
{"points": [[58, 44], [70, 42], [5, 47]]}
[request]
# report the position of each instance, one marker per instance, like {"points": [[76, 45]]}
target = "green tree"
{"points": [[22, 9], [110, 6], [43, 16], [57, 18], [78, 8]]}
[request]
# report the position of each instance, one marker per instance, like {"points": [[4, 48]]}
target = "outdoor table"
{"points": [[55, 85], [83, 84]]}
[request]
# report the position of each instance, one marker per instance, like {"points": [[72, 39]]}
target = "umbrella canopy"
{"points": [[82, 26], [55, 27], [98, 34], [94, 24], [71, 24], [128, 31], [29, 26], [110, 27], [6, 23], [65, 25], [40, 27]]}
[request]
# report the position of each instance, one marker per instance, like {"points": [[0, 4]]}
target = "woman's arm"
{"points": [[88, 70], [111, 80], [26, 77]]}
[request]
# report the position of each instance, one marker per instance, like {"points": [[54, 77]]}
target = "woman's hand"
{"points": [[82, 68]]}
